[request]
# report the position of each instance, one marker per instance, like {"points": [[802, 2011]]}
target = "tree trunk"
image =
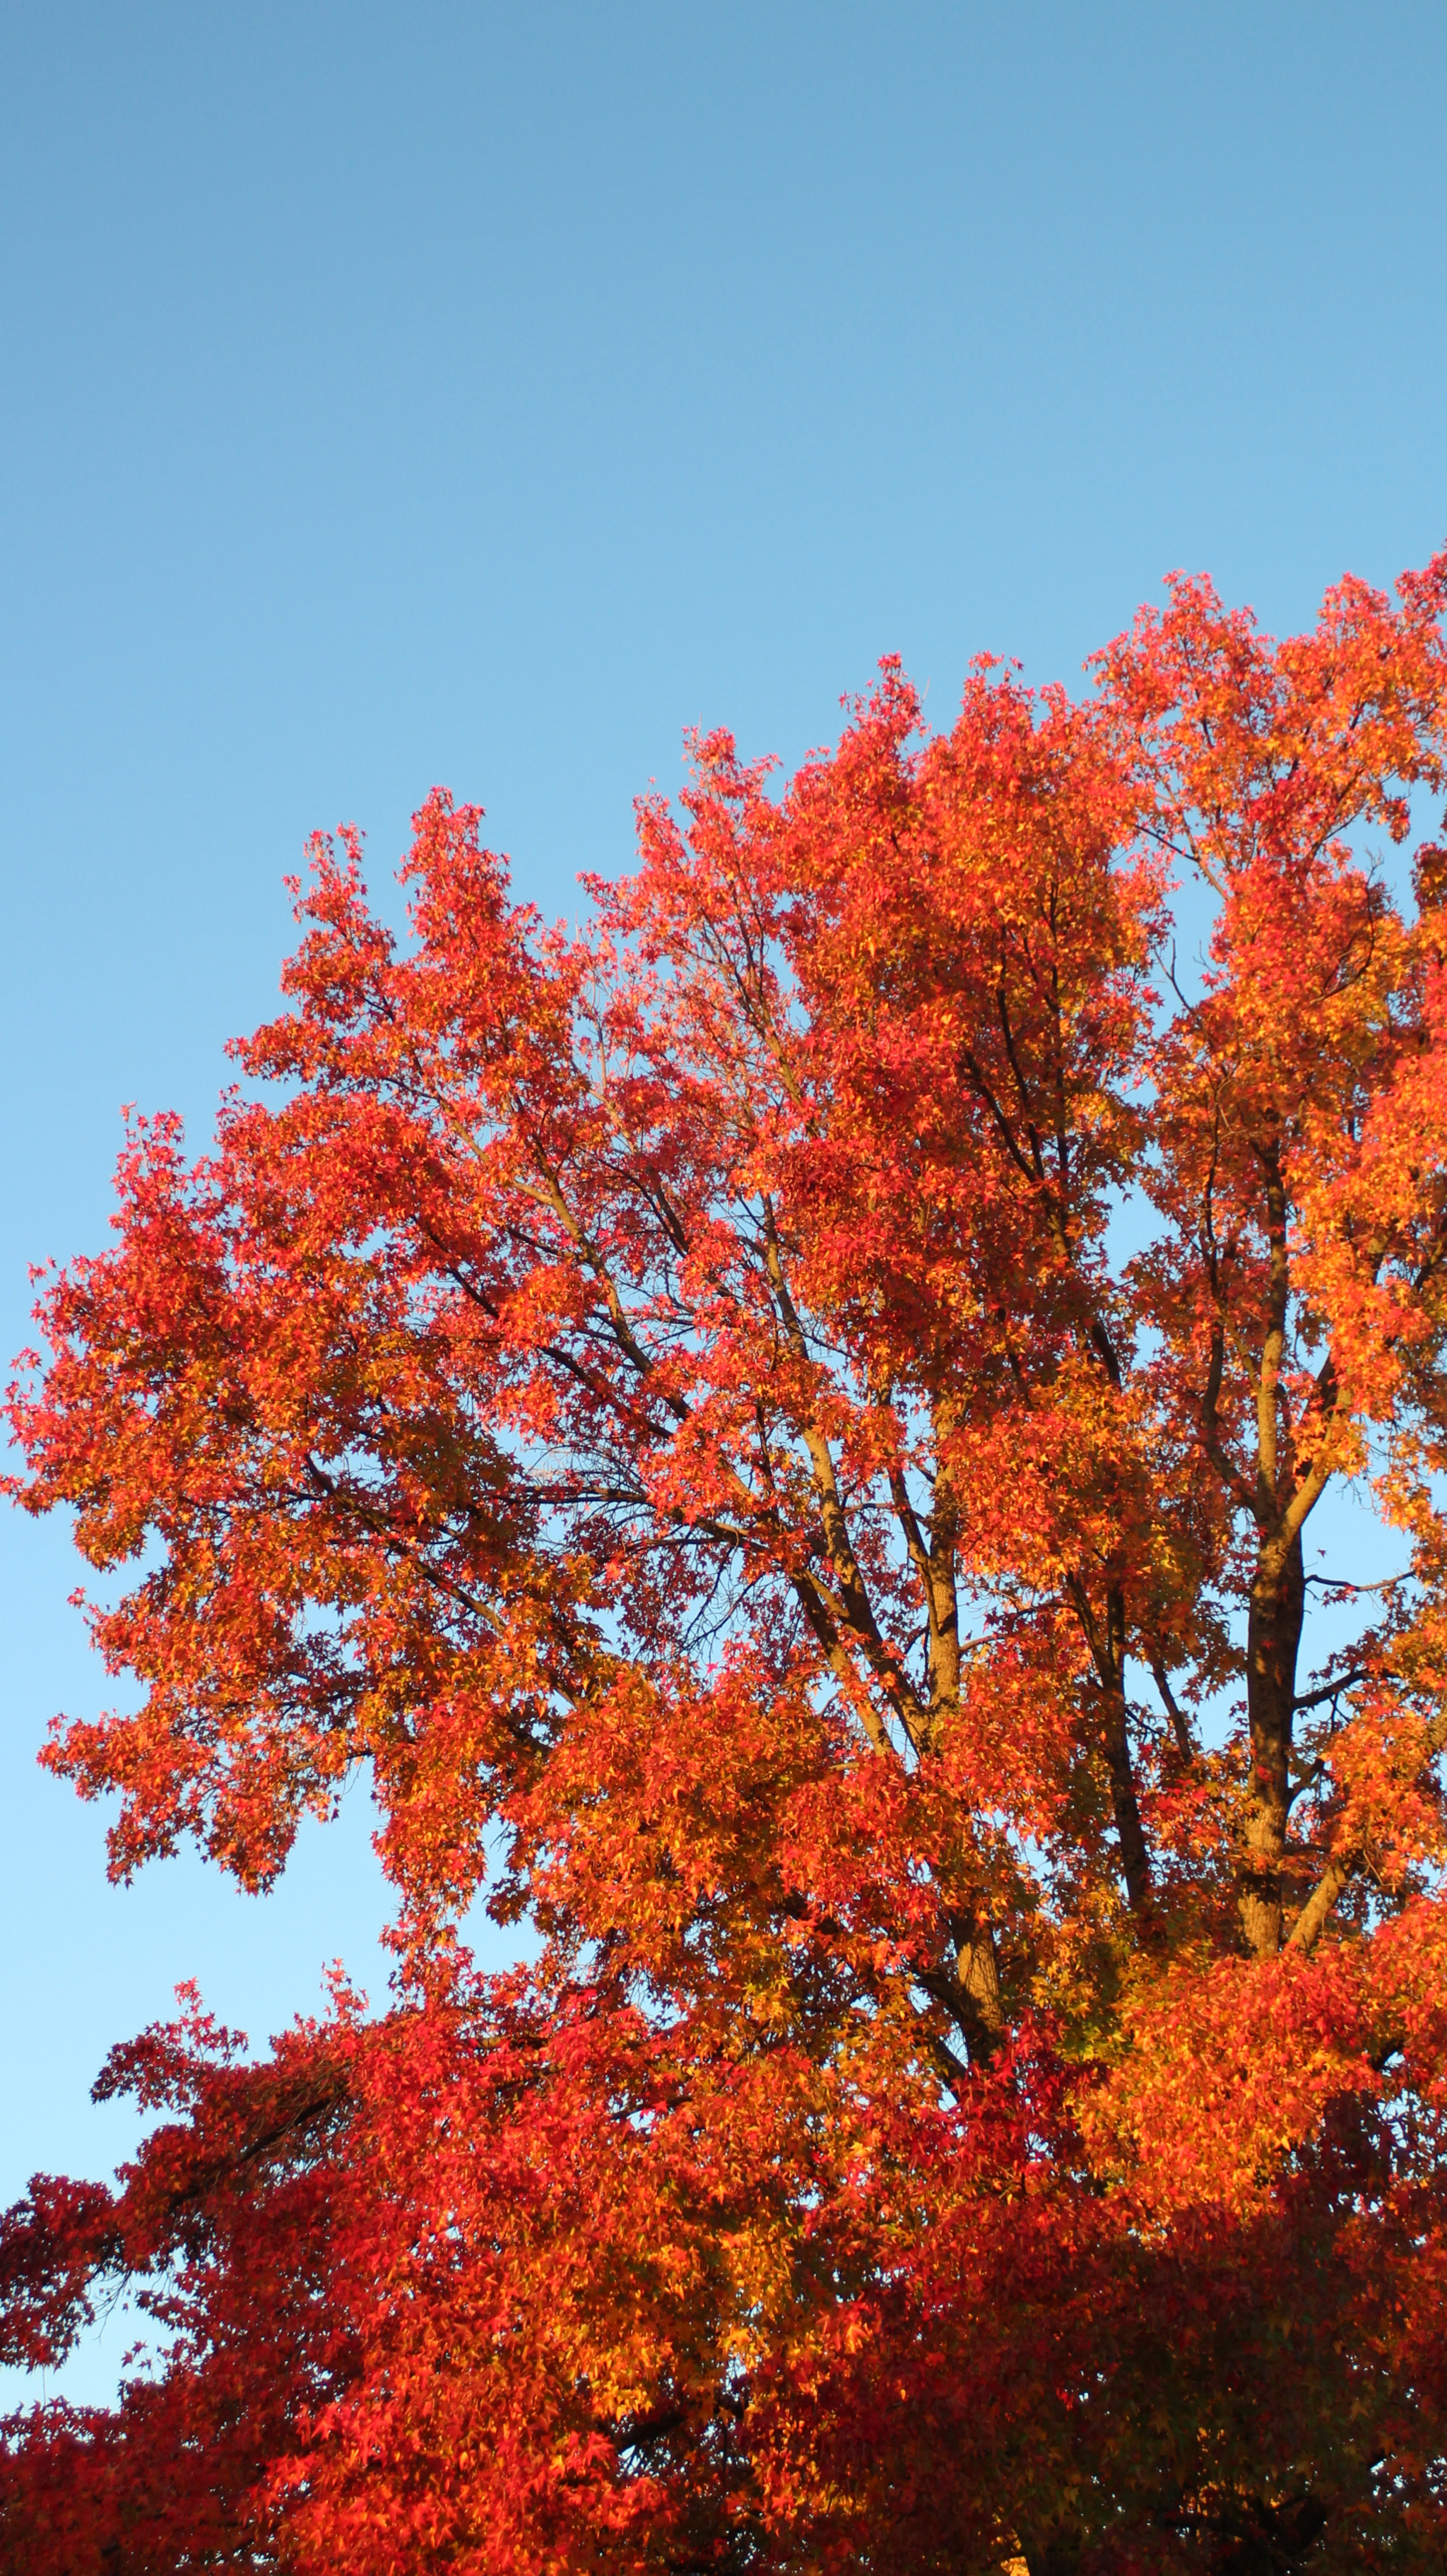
{"points": [[1278, 1597]]}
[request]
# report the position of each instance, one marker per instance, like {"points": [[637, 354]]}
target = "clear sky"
{"points": [[485, 394]]}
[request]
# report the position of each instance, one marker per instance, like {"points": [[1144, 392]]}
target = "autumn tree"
{"points": [[787, 1435]]}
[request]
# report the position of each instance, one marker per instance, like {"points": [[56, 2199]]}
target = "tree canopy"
{"points": [[781, 1430]]}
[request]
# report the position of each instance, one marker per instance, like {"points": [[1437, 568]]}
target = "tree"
{"points": [[783, 1432]]}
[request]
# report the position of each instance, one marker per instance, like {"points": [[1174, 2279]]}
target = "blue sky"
{"points": [[481, 394]]}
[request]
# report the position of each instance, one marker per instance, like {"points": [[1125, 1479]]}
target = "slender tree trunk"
{"points": [[1278, 1597], [1125, 1804]]}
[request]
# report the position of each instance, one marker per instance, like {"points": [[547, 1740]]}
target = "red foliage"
{"points": [[780, 1431]]}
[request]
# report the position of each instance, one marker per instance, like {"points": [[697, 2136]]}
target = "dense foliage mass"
{"points": [[783, 1432]]}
